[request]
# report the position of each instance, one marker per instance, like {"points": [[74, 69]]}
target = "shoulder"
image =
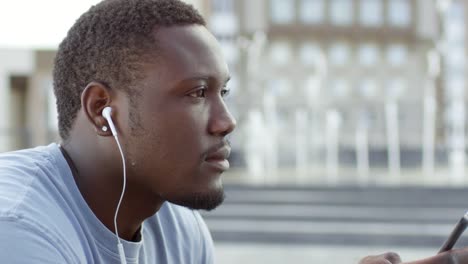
{"points": [[31, 201], [23, 239], [19, 172]]}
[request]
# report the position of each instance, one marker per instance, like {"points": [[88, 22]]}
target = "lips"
{"points": [[218, 158]]}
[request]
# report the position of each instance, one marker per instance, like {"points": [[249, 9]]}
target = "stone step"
{"points": [[335, 212], [409, 216], [406, 198]]}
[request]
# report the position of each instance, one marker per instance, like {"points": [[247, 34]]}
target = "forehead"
{"points": [[190, 51]]}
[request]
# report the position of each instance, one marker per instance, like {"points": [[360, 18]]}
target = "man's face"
{"points": [[179, 151]]}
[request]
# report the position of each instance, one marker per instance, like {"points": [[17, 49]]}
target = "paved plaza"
{"points": [[234, 253]]}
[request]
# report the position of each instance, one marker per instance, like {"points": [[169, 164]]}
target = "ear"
{"points": [[94, 99]]}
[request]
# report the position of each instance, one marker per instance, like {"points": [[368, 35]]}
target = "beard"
{"points": [[202, 201]]}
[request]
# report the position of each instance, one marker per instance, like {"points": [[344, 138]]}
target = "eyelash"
{"points": [[196, 94], [200, 93], [225, 93]]}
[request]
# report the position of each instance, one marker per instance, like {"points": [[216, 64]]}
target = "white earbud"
{"points": [[106, 113]]}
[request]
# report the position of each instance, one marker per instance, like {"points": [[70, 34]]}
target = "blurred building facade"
{"points": [[27, 104], [347, 55], [345, 63]]}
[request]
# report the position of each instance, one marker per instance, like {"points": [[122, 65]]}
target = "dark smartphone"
{"points": [[456, 233]]}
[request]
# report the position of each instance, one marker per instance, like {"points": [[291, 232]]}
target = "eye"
{"points": [[225, 92], [200, 93]]}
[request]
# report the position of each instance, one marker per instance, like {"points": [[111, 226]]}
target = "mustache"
{"points": [[222, 144]]}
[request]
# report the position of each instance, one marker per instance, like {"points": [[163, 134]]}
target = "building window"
{"points": [[312, 11], [223, 6], [370, 13], [368, 88], [399, 13], [312, 88], [280, 53], [282, 11], [310, 54], [340, 88], [455, 58], [455, 85], [396, 88], [339, 54], [280, 86], [230, 51], [341, 12], [368, 55], [397, 55]]}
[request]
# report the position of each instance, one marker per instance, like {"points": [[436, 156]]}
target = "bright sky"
{"points": [[38, 23]]}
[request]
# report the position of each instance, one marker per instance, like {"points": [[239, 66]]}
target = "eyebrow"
{"points": [[206, 78]]}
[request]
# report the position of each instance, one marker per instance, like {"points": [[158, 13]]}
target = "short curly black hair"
{"points": [[109, 44]]}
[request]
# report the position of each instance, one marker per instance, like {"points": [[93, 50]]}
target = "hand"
{"points": [[457, 256], [386, 258]]}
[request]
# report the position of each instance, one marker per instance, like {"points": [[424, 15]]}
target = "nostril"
{"points": [[232, 125], [222, 126]]}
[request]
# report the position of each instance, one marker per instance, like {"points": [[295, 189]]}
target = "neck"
{"points": [[99, 178]]}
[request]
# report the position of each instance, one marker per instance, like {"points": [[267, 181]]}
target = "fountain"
{"points": [[255, 129], [429, 120], [254, 147], [453, 51], [332, 126], [271, 137], [362, 149], [393, 140], [301, 144]]}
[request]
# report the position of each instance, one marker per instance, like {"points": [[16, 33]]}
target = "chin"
{"points": [[206, 200]]}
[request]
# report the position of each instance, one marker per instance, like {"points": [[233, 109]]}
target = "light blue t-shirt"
{"points": [[44, 219]]}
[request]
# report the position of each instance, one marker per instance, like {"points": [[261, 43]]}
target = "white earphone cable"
{"points": [[119, 245]]}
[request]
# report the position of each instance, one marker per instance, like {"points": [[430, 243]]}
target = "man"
{"points": [[160, 73], [159, 69]]}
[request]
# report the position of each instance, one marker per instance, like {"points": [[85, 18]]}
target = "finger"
{"points": [[374, 260], [457, 256], [386, 258], [392, 257]]}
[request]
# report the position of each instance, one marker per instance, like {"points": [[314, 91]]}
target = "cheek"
{"points": [[184, 125], [172, 142]]}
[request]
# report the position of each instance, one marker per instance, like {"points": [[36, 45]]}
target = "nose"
{"points": [[221, 120]]}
